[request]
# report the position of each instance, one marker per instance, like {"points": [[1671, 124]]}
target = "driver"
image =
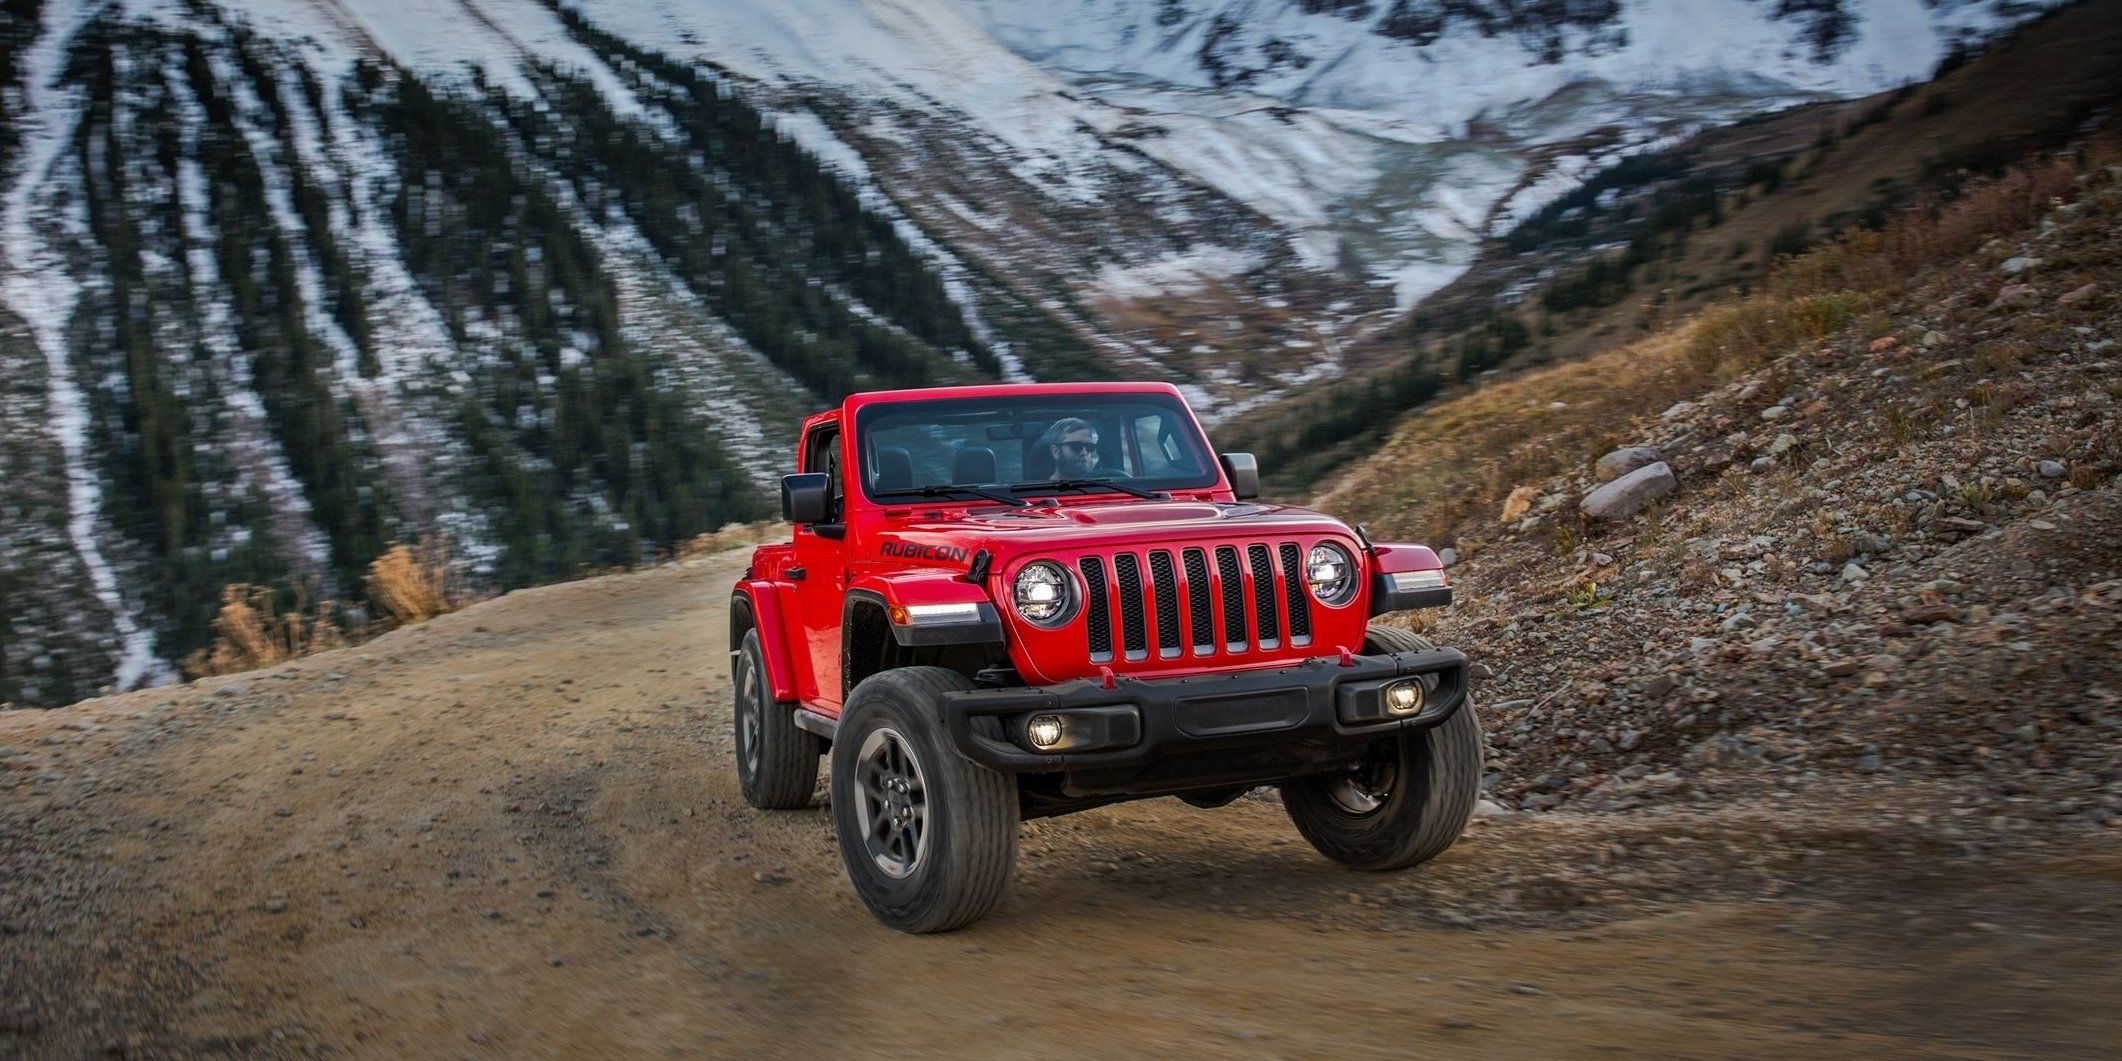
{"points": [[1074, 445]]}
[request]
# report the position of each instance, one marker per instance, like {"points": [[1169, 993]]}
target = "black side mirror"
{"points": [[1244, 473], [806, 498]]}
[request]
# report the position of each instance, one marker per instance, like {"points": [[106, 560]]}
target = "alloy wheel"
{"points": [[891, 802]]}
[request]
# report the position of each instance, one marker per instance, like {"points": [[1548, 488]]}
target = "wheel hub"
{"points": [[891, 804], [1365, 788]]}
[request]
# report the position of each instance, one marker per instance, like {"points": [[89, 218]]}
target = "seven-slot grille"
{"points": [[1235, 597]]}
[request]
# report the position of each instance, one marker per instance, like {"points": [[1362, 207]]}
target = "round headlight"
{"points": [[1331, 574], [1043, 593]]}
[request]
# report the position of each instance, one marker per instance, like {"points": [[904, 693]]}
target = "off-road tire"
{"points": [[781, 773], [970, 850], [1436, 781]]}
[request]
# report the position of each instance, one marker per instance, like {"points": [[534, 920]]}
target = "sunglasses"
{"points": [[1079, 447]]}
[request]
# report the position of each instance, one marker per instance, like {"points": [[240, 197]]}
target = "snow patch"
{"points": [[36, 287], [1175, 274]]}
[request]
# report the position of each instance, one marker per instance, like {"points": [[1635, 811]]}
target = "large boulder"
{"points": [[1626, 496], [1623, 461]]}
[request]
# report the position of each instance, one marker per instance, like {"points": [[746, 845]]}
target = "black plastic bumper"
{"points": [[1248, 724]]}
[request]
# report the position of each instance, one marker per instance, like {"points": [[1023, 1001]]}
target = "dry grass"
{"points": [[412, 584], [1727, 340], [1884, 260], [250, 633]]}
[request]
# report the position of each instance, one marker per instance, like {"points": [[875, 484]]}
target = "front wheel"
{"points": [[929, 837], [1409, 799]]}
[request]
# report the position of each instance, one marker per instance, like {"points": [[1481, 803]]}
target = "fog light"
{"points": [[1403, 698], [1044, 731]]}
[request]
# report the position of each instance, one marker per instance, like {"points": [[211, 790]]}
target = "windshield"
{"points": [[1031, 445]]}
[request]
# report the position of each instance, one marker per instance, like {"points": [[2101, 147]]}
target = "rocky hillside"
{"points": [[1856, 538]]}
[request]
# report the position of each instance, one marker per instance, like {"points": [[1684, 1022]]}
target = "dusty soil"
{"points": [[516, 831]]}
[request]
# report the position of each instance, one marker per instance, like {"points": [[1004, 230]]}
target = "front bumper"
{"points": [[1170, 734]]}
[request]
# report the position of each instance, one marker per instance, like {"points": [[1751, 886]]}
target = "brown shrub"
{"points": [[411, 585], [249, 634]]}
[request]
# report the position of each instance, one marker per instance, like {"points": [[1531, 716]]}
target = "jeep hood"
{"points": [[1112, 523]]}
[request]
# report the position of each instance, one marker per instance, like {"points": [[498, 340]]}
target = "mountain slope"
{"points": [[280, 290], [1663, 234], [1231, 193], [287, 280]]}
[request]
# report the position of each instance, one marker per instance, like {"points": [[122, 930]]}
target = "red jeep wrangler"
{"points": [[1009, 602]]}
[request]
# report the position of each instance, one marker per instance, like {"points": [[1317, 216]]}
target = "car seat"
{"points": [[1038, 461], [973, 464], [895, 469]]}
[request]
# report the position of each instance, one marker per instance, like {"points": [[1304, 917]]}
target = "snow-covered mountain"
{"points": [[1386, 130], [283, 280]]}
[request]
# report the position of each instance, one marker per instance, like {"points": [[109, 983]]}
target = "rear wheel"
{"points": [[1409, 799], [777, 763], [929, 837]]}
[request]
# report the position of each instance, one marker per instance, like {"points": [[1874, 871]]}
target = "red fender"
{"points": [[1397, 556], [764, 600], [901, 586]]}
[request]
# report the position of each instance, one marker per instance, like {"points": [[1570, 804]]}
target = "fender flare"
{"points": [[959, 611], [759, 606], [1388, 594]]}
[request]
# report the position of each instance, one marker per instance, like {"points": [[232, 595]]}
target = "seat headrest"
{"points": [[895, 468], [973, 464], [1038, 461]]}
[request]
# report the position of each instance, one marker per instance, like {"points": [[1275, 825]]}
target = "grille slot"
{"points": [[1266, 610], [1200, 606], [1164, 587], [1097, 612], [1294, 592], [1134, 636], [1234, 636]]}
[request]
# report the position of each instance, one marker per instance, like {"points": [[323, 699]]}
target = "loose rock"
{"points": [[2012, 296], [1623, 461], [1626, 496]]}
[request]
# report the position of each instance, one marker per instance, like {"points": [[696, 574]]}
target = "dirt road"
{"points": [[515, 831]]}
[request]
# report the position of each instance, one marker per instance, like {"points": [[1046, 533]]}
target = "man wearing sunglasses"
{"points": [[1074, 445]]}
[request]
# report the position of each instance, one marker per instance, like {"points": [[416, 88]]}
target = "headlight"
{"points": [[1331, 574], [1044, 594]]}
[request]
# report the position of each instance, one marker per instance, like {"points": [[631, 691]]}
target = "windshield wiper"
{"points": [[946, 491], [1090, 484]]}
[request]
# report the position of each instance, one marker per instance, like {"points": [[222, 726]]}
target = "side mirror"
{"points": [[1244, 474], [806, 498]]}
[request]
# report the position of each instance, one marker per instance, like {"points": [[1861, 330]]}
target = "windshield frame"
{"points": [[1210, 477]]}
